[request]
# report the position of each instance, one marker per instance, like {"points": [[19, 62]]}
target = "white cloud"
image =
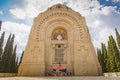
{"points": [[107, 10], [30, 9], [96, 23], [18, 13], [1, 12], [102, 36], [116, 1], [99, 10], [21, 33], [101, 20], [13, 27], [33, 8]]}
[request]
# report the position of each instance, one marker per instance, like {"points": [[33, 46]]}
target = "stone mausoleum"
{"points": [[59, 39]]}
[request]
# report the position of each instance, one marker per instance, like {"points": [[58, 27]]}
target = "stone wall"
{"points": [[112, 74], [8, 74]]}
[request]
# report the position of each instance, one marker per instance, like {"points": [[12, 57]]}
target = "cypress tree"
{"points": [[116, 54], [113, 56], [21, 58], [5, 55], [16, 66], [9, 62], [1, 49], [104, 55], [100, 58], [13, 62], [10, 49], [1, 44], [117, 38]]}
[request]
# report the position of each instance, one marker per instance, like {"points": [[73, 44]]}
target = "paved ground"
{"points": [[61, 78]]}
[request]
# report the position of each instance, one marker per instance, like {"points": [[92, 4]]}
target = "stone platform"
{"points": [[62, 78]]}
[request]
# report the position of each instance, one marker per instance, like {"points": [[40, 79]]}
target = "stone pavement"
{"points": [[61, 78]]}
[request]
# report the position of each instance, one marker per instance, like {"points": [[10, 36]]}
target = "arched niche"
{"points": [[59, 34]]}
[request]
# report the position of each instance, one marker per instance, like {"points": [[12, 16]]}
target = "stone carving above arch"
{"points": [[58, 6], [64, 15], [62, 24], [60, 14], [59, 10]]}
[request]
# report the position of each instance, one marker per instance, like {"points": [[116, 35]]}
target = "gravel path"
{"points": [[61, 78]]}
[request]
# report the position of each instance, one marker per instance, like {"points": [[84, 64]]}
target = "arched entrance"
{"points": [[59, 61], [59, 36]]}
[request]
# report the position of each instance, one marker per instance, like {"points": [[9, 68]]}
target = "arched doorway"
{"points": [[59, 41]]}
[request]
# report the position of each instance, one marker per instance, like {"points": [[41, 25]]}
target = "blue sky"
{"points": [[102, 16]]}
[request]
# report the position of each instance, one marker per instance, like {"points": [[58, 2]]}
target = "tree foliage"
{"points": [[9, 61], [110, 59], [112, 55], [21, 58], [1, 44], [100, 58], [117, 37], [104, 56]]}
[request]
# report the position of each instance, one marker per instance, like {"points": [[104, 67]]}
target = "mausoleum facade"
{"points": [[59, 39]]}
